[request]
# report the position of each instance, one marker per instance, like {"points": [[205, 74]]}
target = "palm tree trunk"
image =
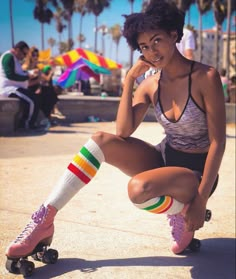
{"points": [[96, 34], [131, 57], [217, 46], [11, 22], [229, 7], [200, 37], [42, 35], [117, 51], [80, 28]]}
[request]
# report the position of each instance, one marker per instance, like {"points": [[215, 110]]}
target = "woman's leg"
{"points": [[130, 155]]}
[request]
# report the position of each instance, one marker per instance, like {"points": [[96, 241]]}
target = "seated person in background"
{"points": [[31, 65], [14, 83], [50, 99], [41, 86]]}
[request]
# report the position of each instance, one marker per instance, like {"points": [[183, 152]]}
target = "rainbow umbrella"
{"points": [[81, 70], [72, 56]]}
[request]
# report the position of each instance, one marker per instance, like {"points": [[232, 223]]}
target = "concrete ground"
{"points": [[100, 234]]}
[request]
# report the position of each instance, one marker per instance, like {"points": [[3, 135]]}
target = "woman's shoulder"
{"points": [[204, 71]]}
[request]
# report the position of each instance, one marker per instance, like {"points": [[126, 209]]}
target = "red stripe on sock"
{"points": [[164, 210], [79, 173]]}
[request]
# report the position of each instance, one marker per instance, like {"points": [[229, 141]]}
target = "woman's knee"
{"points": [[103, 139], [138, 190]]}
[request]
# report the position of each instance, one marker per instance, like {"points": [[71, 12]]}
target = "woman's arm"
{"points": [[133, 108], [213, 97]]}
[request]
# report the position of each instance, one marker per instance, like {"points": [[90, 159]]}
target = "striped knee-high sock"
{"points": [[79, 172], [164, 204]]}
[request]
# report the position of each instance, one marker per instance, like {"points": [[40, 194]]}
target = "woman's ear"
{"points": [[174, 36]]}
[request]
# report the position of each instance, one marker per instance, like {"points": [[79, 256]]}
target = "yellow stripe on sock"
{"points": [[83, 164], [162, 207]]}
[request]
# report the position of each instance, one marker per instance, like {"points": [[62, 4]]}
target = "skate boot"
{"points": [[181, 238], [39, 231]]}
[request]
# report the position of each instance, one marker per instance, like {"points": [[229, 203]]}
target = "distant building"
{"points": [[208, 49], [232, 53]]}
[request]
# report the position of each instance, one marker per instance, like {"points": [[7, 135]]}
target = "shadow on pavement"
{"points": [[216, 259]]}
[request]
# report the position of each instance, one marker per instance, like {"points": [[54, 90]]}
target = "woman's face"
{"points": [[157, 46], [35, 55]]}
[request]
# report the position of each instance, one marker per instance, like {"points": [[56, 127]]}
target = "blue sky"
{"points": [[28, 29]]}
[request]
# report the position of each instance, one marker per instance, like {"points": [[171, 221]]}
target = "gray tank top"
{"points": [[190, 131]]}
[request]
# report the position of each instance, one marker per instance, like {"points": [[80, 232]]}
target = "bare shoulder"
{"points": [[204, 73], [207, 84]]}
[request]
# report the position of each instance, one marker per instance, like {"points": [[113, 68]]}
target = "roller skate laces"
{"points": [[36, 219], [181, 237], [39, 229]]}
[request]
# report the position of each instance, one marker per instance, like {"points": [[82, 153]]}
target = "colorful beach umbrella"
{"points": [[72, 56], [81, 70]]}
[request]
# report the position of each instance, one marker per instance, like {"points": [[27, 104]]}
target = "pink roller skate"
{"points": [[33, 241], [183, 239]]}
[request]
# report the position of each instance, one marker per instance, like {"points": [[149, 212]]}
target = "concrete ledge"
{"points": [[78, 109], [9, 112], [230, 113]]}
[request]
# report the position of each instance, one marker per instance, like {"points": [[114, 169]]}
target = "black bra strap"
{"points": [[190, 79]]}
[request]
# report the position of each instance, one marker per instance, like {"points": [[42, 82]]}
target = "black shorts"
{"points": [[193, 161]]}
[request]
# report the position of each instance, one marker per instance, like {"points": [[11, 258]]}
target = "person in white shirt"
{"points": [[14, 83], [187, 44]]}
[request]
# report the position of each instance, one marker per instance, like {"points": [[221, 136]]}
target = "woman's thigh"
{"points": [[130, 155], [178, 182]]}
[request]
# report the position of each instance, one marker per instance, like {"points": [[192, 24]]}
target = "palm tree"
{"points": [[104, 30], [96, 7], [69, 7], [60, 26], [131, 57], [43, 14], [219, 8], [11, 22], [185, 5], [116, 35], [203, 7], [51, 42], [81, 38], [63, 47], [81, 9]]}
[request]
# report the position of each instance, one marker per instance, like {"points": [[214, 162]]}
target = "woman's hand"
{"points": [[139, 68], [195, 214]]}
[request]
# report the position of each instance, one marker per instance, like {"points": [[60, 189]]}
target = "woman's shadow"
{"points": [[216, 259]]}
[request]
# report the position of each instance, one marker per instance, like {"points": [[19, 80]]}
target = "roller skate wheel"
{"points": [[11, 266], [50, 256], [208, 215], [195, 244], [26, 268], [37, 256]]}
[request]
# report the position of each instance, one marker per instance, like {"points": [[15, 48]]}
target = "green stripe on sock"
{"points": [[156, 204], [90, 157]]}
